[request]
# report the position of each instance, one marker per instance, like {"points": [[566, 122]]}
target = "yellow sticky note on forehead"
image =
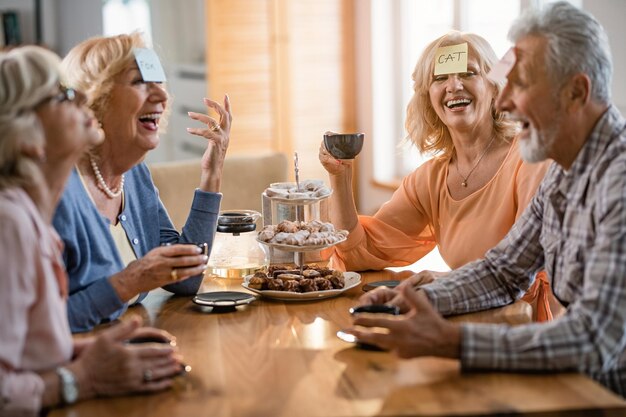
{"points": [[451, 59]]}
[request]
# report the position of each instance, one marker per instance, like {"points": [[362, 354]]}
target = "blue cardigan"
{"points": [[91, 256]]}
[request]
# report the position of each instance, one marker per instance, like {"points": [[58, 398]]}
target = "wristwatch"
{"points": [[69, 388]]}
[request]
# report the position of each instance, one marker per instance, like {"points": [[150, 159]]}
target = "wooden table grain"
{"points": [[283, 359]]}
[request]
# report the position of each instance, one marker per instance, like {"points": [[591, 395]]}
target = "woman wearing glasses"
{"points": [[119, 240], [44, 130]]}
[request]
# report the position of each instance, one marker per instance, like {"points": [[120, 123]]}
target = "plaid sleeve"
{"points": [[504, 274], [591, 337]]}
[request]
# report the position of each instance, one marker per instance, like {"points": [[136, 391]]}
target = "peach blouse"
{"points": [[422, 214]]}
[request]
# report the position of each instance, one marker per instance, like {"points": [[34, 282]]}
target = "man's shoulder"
{"points": [[613, 158]]}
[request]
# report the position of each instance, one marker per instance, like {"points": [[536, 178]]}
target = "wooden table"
{"points": [[275, 358]]}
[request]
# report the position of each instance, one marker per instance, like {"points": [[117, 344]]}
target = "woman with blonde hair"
{"points": [[463, 200], [44, 129], [119, 240]]}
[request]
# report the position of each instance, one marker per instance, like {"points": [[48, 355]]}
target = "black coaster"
{"points": [[223, 300]]}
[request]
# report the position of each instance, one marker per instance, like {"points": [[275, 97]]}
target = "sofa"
{"points": [[244, 180]]}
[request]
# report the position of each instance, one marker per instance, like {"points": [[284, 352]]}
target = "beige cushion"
{"points": [[244, 179]]}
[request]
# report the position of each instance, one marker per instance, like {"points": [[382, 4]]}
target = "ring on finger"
{"points": [[147, 375], [215, 127], [174, 274]]}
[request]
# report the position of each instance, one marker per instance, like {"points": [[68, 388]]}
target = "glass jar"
{"points": [[236, 252]]}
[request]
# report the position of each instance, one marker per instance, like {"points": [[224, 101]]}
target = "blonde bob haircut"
{"points": [[425, 130], [28, 75], [92, 65]]}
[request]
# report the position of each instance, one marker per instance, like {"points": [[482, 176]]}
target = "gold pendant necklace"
{"points": [[464, 182]]}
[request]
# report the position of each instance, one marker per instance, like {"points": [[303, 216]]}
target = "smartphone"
{"points": [[377, 309], [372, 285]]}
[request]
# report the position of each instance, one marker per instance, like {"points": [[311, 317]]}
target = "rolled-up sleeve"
{"points": [[21, 393]]}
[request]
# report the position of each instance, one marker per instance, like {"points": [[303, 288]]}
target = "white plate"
{"points": [[298, 248], [352, 279]]}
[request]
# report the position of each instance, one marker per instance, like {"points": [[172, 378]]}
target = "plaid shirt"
{"points": [[575, 228]]}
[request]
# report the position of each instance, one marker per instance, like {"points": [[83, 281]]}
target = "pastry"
{"points": [[288, 190], [322, 284], [257, 283], [310, 273], [273, 268], [337, 282], [275, 284], [288, 226], [307, 285], [291, 285], [286, 278], [289, 277]]}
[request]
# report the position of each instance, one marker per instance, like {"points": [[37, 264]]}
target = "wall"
{"points": [[64, 22], [179, 32], [26, 15], [611, 14], [76, 20]]}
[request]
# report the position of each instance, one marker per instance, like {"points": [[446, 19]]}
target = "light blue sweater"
{"points": [[91, 256]]}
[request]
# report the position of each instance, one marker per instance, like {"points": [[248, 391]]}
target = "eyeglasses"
{"points": [[66, 94]]}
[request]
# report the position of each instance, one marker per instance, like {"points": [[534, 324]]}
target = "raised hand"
{"points": [[332, 165], [217, 133]]}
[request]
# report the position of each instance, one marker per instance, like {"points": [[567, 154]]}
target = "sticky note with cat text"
{"points": [[451, 59]]}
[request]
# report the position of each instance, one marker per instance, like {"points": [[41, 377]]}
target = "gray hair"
{"points": [[27, 76], [576, 42]]}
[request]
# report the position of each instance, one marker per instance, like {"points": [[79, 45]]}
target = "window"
{"points": [[400, 31], [126, 16]]}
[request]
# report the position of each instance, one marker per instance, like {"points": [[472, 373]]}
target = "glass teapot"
{"points": [[236, 252]]}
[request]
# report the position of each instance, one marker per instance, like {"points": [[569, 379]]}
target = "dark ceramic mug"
{"points": [[344, 145]]}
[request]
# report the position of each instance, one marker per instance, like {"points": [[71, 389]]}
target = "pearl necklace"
{"points": [[464, 182], [103, 185]]}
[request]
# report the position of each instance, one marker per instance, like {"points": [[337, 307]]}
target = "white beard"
{"points": [[537, 147], [532, 149]]}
